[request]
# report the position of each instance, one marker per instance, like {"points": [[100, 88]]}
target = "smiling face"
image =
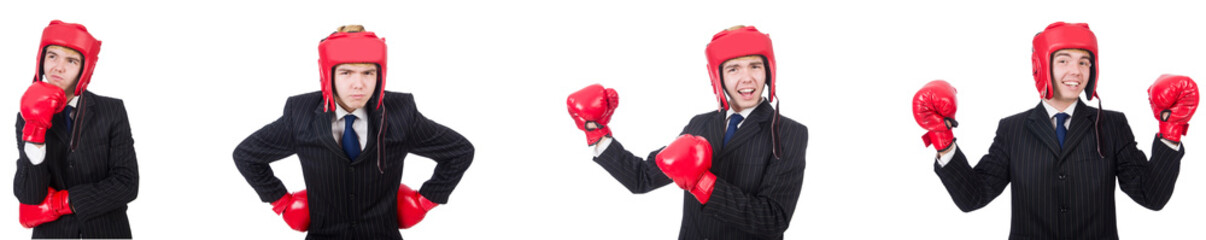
{"points": [[354, 84], [61, 67], [1070, 70], [744, 78]]}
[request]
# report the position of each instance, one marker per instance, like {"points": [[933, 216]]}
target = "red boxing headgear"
{"points": [[746, 41], [1059, 36], [75, 37], [350, 47]]}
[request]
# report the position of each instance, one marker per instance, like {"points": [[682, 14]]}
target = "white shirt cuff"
{"points": [[601, 146], [942, 160], [1171, 144], [35, 153]]}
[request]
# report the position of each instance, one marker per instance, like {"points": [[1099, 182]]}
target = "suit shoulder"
{"points": [[304, 101], [1111, 114], [105, 100], [399, 99], [790, 125]]}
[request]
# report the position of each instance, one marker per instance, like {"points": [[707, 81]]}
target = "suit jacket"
{"points": [[1063, 193], [353, 198], [100, 172], [755, 194]]}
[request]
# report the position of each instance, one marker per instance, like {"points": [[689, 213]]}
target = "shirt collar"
{"points": [[360, 113], [74, 101], [1051, 110], [744, 113]]}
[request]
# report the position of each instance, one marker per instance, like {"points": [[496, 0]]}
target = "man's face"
{"points": [[744, 78], [1070, 70], [354, 84], [61, 67]]}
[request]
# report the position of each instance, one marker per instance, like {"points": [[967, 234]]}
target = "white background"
{"points": [[197, 78]]}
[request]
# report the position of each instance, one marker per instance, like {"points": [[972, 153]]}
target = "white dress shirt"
{"points": [[360, 125], [37, 154]]}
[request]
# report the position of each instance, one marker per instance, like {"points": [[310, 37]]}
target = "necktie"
{"points": [[67, 115], [1060, 130], [733, 121], [351, 143]]}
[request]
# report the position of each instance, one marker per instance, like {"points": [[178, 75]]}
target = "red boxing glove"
{"points": [[39, 104], [294, 209], [933, 106], [687, 161], [412, 207], [1174, 99], [593, 104], [56, 204]]}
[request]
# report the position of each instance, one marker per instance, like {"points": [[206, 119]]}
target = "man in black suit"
{"points": [[353, 192], [1061, 156], [76, 171], [751, 189]]}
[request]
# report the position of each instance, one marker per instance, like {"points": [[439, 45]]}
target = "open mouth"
{"points": [[1072, 84], [746, 93]]}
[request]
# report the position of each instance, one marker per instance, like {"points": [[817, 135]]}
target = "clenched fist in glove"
{"points": [[295, 209], [412, 207], [39, 104], [688, 161], [934, 109], [1174, 99], [56, 204], [593, 104]]}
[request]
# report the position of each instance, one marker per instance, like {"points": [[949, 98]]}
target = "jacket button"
{"points": [[1063, 210], [350, 169], [1062, 177]]}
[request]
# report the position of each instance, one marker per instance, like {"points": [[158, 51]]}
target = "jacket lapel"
{"points": [[750, 128], [374, 121], [321, 123], [1040, 125], [1080, 126]]}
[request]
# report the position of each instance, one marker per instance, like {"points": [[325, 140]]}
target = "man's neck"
{"points": [[1060, 104]]}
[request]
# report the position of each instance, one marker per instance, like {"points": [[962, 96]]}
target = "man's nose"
{"points": [[747, 76], [362, 81], [56, 65]]}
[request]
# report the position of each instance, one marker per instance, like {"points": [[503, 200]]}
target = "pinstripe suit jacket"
{"points": [[1063, 193], [101, 173], [353, 198], [755, 193]]}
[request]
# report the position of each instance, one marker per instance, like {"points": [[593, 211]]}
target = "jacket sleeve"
{"points": [[768, 210], [1149, 183], [121, 186], [452, 153], [269, 144], [30, 182], [636, 174], [970, 188]]}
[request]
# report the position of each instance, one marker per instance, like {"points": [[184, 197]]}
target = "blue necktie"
{"points": [[351, 143], [67, 115], [733, 121], [1060, 130]]}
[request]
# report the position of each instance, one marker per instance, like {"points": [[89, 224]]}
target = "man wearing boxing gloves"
{"points": [[77, 170], [749, 190], [1062, 156], [352, 152]]}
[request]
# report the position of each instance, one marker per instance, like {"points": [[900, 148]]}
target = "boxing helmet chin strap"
{"points": [[1097, 128], [380, 136]]}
